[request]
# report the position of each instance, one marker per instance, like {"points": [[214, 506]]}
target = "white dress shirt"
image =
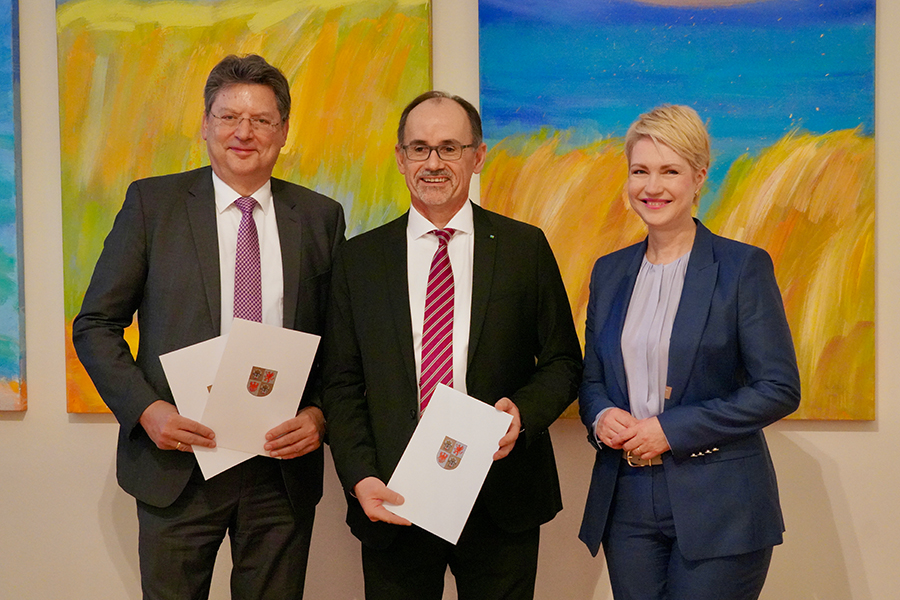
{"points": [[228, 218], [420, 249]]}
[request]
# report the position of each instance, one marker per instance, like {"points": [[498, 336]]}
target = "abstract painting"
{"points": [[12, 305], [131, 76], [787, 90]]}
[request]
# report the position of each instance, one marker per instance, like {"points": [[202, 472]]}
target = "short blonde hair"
{"points": [[678, 127]]}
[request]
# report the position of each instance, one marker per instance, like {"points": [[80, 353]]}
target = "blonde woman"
{"points": [[688, 357]]}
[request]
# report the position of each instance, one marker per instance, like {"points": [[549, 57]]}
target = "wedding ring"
{"points": [[178, 446]]}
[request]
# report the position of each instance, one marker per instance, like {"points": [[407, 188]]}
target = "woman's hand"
{"points": [[612, 425], [645, 439]]}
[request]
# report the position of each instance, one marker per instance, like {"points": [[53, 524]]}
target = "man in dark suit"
{"points": [[171, 256], [511, 343]]}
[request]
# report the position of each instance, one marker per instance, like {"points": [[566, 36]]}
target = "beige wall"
{"points": [[67, 530]]}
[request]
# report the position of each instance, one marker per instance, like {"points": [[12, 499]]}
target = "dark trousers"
{"points": [[269, 541], [487, 562], [643, 557]]}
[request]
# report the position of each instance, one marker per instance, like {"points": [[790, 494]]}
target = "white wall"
{"points": [[68, 531]]}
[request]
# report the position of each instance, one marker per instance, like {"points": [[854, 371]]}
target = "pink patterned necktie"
{"points": [[437, 332], [247, 278]]}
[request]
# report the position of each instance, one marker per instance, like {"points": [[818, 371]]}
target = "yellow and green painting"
{"points": [[131, 77], [787, 90]]}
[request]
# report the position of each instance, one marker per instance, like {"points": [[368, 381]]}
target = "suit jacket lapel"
{"points": [[482, 274], [693, 309], [616, 319], [289, 231], [396, 276], [200, 205]]}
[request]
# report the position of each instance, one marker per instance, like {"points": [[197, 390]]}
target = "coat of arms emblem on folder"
{"points": [[450, 454], [261, 381]]}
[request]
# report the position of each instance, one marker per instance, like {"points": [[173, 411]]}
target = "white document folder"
{"points": [[446, 461], [259, 383], [190, 371]]}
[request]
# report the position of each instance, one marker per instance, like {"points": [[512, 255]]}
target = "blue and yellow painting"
{"points": [[787, 90], [12, 309], [131, 77]]}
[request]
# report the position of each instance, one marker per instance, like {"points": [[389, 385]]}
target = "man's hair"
{"points": [[471, 112], [678, 127], [252, 69]]}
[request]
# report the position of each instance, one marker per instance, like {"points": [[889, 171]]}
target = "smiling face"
{"points": [[439, 188], [241, 156], [662, 186]]}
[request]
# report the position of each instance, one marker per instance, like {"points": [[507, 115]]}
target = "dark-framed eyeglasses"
{"points": [[447, 152], [231, 122]]}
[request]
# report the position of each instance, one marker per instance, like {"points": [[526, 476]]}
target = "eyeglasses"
{"points": [[448, 152], [232, 122]]}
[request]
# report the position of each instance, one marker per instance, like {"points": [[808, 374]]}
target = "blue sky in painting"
{"points": [[788, 13], [754, 71]]}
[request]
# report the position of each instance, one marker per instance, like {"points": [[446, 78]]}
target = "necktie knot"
{"points": [[443, 235], [245, 205]]}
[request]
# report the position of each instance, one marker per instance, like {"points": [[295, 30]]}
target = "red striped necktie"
{"points": [[437, 332]]}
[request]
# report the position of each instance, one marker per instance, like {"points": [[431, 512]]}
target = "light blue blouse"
{"points": [[645, 337]]}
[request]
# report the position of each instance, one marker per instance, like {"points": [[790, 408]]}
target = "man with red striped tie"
{"points": [[448, 293]]}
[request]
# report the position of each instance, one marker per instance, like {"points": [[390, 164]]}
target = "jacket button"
{"points": [[412, 413]]}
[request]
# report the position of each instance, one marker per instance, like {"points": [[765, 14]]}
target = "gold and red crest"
{"points": [[261, 381], [450, 453]]}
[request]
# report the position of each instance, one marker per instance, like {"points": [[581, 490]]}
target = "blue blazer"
{"points": [[732, 371]]}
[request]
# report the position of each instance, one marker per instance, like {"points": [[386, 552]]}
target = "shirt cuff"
{"points": [[594, 430]]}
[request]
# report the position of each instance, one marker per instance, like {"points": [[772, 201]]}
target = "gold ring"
{"points": [[178, 446]]}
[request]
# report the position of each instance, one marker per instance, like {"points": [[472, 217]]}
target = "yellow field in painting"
{"points": [[809, 200], [131, 80]]}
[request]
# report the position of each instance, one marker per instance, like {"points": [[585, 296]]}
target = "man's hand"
{"points": [[170, 431], [612, 425], [372, 493], [297, 436], [508, 441], [645, 439]]}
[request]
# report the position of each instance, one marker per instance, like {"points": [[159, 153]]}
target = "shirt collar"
{"points": [[225, 196], [417, 225]]}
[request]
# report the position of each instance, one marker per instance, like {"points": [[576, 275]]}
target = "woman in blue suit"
{"points": [[688, 357]]}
